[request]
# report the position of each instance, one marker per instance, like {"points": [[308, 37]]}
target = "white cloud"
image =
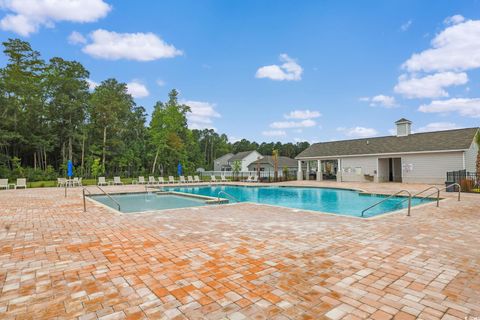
{"points": [[380, 100], [27, 16], [92, 84], [160, 83], [455, 48], [274, 133], [438, 126], [289, 70], [137, 89], [131, 46], [201, 115], [76, 38], [431, 86], [404, 27], [293, 124], [464, 106], [455, 19], [358, 132], [302, 114]]}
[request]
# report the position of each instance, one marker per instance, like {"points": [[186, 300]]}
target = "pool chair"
{"points": [[141, 180], [80, 183], [224, 179], [249, 179], [161, 180], [117, 181], [213, 178], [102, 181], [21, 183], [254, 179], [151, 180], [75, 182], [4, 184], [190, 179], [171, 179], [182, 179], [61, 182], [196, 179]]}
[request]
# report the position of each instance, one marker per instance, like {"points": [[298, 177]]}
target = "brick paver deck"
{"points": [[240, 261]]}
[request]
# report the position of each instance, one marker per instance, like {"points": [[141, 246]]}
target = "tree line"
{"points": [[49, 116]]}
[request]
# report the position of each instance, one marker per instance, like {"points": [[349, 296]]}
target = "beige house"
{"points": [[406, 157]]}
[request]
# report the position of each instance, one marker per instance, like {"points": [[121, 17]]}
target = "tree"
{"points": [[477, 141], [236, 167], [275, 164]]}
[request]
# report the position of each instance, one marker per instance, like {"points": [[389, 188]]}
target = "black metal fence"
{"points": [[469, 181]]}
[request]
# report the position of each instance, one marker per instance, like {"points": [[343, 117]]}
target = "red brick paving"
{"points": [[235, 262]]}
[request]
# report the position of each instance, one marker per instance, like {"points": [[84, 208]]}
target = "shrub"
{"points": [[466, 185]]}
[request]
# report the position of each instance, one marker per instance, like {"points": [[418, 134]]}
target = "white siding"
{"points": [[471, 158], [354, 169], [219, 163], [430, 168], [253, 156]]}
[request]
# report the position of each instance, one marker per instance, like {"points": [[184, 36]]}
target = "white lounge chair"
{"points": [[182, 179], [171, 179], [117, 181], [190, 179], [141, 180], [75, 182], [249, 179], [61, 182], [4, 184], [21, 183], [224, 179], [196, 179], [151, 180], [213, 178], [254, 179], [102, 181], [161, 180], [80, 182]]}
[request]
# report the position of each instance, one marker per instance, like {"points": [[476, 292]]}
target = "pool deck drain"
{"points": [[239, 261]]}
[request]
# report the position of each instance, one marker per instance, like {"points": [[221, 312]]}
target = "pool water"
{"points": [[137, 202], [337, 201]]}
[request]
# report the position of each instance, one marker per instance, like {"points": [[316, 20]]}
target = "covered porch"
{"points": [[319, 169]]}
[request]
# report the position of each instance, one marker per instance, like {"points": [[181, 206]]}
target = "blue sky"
{"points": [[274, 70]]}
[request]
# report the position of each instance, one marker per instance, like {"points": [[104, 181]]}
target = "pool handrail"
{"points": [[104, 192], [229, 195], [391, 196], [445, 188], [424, 190]]}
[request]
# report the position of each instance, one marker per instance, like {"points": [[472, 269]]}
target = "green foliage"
{"points": [[97, 169]]}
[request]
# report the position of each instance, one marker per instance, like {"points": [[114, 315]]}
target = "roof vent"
{"points": [[404, 127]]}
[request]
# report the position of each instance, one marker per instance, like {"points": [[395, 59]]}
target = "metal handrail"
{"points": [[104, 192], [445, 188], [429, 188], [391, 196], [229, 195]]}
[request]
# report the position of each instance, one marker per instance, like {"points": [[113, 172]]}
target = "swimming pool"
{"points": [[137, 202], [337, 201]]}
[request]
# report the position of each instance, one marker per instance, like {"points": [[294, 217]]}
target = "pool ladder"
{"points": [[227, 194], [409, 199], [103, 191]]}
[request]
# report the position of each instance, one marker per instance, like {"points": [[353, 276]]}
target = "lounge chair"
{"points": [[190, 179], [249, 179], [61, 182], [161, 180], [75, 182], [213, 178], [254, 179], [151, 180], [4, 184], [182, 179], [102, 181], [117, 181], [224, 179], [21, 183], [141, 180], [196, 179], [171, 179]]}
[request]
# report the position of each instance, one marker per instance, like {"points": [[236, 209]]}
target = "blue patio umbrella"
{"points": [[69, 168], [179, 169]]}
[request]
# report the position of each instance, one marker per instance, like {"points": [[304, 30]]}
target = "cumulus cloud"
{"points": [[27, 16], [293, 124], [404, 27], [455, 19], [137, 89], [201, 115], [380, 100], [92, 84], [274, 133], [464, 106], [438, 126], [358, 132], [131, 46], [431, 86], [456, 48], [289, 70], [76, 38], [302, 114]]}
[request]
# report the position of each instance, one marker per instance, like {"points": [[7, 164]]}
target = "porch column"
{"points": [[339, 170], [299, 172], [319, 170], [307, 175]]}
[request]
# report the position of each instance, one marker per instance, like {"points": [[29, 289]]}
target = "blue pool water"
{"points": [[338, 201], [136, 202]]}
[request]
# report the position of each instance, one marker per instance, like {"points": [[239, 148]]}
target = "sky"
{"points": [[274, 70]]}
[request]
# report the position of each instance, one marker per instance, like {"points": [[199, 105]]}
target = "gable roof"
{"points": [[459, 139], [227, 156], [240, 155], [282, 161]]}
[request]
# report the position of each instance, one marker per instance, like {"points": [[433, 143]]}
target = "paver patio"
{"points": [[241, 261]]}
